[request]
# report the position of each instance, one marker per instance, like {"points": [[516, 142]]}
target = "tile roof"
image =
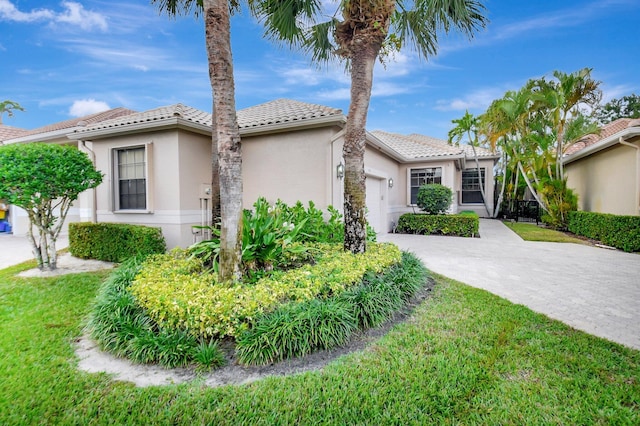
{"points": [[282, 111], [8, 132], [605, 131], [162, 113], [417, 146], [81, 121]]}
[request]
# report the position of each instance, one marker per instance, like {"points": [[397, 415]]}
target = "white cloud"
{"points": [[74, 14], [87, 106], [479, 99], [9, 12]]}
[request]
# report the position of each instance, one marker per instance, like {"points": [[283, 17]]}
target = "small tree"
{"points": [[44, 180], [434, 198]]}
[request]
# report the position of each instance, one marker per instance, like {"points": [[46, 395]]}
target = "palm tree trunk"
{"points": [[496, 208], [484, 198], [218, 41], [531, 188], [355, 223]]}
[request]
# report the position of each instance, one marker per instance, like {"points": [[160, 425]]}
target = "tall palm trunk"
{"points": [[218, 40], [355, 224]]}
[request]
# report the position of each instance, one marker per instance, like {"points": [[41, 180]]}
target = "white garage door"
{"points": [[374, 203]]}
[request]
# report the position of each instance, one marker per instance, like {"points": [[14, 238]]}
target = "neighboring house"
{"points": [[604, 169], [157, 166]]}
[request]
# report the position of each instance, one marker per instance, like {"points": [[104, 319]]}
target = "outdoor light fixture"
{"points": [[390, 182], [340, 171]]}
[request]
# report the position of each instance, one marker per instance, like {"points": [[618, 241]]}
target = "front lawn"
{"points": [[531, 232], [464, 357]]}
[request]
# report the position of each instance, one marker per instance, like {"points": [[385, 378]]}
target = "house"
{"points": [[604, 169], [157, 166]]}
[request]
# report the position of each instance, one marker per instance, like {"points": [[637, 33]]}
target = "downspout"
{"points": [[637, 148], [94, 203]]}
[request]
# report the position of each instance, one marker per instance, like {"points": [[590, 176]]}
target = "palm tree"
{"points": [[366, 28], [226, 153], [9, 107]]}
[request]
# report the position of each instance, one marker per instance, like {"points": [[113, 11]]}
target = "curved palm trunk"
{"points": [[355, 222], [218, 40], [482, 192]]}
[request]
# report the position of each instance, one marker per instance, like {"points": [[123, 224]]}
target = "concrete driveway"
{"points": [[592, 289], [16, 249]]}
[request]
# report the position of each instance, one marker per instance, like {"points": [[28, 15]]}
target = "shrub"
{"points": [[622, 232], [114, 242], [271, 235], [172, 289], [458, 225], [297, 329], [434, 198], [559, 200], [123, 328]]}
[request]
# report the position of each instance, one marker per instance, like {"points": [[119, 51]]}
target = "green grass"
{"points": [[465, 357], [531, 232]]}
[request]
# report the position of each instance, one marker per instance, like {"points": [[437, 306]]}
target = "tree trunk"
{"points": [[533, 191], [355, 222], [218, 40], [497, 207]]}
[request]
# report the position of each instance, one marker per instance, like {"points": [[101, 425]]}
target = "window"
{"points": [[471, 193], [421, 177], [131, 179]]}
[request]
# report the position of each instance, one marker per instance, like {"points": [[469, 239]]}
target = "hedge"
{"points": [[425, 224], [622, 232], [114, 242]]}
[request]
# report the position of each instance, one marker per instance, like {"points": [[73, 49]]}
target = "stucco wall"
{"points": [[606, 181], [292, 166]]}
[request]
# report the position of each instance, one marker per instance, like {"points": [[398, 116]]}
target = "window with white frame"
{"points": [[130, 178], [471, 192], [424, 176]]}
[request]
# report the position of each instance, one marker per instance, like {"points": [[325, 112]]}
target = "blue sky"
{"points": [[71, 58]]}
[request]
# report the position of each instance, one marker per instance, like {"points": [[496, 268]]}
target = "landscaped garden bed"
{"points": [[302, 292]]}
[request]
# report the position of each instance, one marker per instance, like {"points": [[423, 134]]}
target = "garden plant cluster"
{"points": [[301, 292]]}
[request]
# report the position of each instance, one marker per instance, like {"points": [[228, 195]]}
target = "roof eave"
{"points": [[147, 126], [310, 123], [435, 158], [41, 137], [603, 144], [373, 140]]}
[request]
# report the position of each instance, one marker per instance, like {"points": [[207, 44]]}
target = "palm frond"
{"points": [[175, 8], [285, 20]]}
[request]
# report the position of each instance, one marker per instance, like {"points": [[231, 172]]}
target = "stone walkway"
{"points": [[592, 289]]}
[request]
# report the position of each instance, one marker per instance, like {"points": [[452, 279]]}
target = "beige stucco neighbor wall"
{"points": [[178, 163], [606, 181]]}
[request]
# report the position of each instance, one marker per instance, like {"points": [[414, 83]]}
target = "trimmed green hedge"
{"points": [[621, 232], [114, 242], [426, 224]]}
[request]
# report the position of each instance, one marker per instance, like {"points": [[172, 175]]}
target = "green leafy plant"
{"points": [[176, 293], [559, 200], [44, 179], [622, 232], [122, 327], [459, 225], [434, 198], [297, 329], [114, 242]]}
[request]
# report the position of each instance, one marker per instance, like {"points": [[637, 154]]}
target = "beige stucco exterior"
{"points": [[291, 160], [607, 180]]}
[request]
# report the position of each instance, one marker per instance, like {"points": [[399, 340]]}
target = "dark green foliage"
{"points": [[272, 236], [114, 242], [424, 224], [296, 330], [299, 329], [622, 232], [123, 328], [434, 198], [380, 296], [559, 200]]}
